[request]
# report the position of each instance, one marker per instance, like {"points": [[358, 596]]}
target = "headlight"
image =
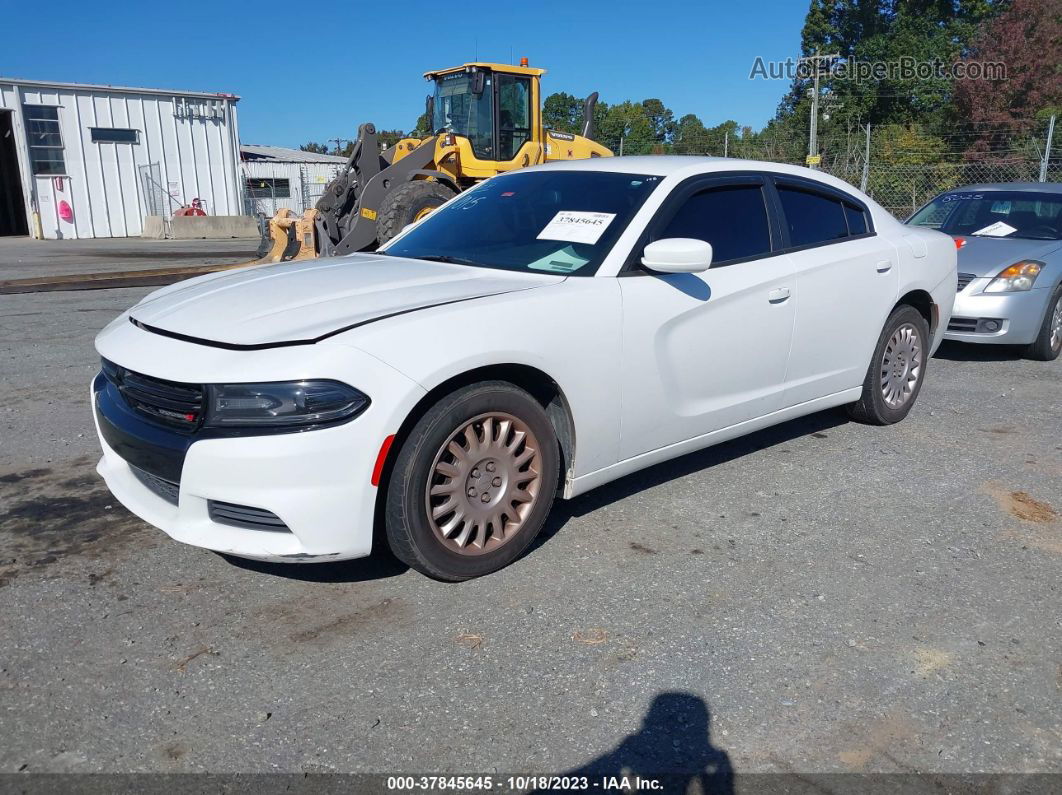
{"points": [[1017, 278], [282, 403]]}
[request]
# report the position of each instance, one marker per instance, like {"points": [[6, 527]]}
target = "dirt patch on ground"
{"points": [[1020, 504], [50, 515]]}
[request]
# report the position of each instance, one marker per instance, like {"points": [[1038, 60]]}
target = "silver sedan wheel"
{"points": [[901, 366], [484, 482], [1056, 326]]}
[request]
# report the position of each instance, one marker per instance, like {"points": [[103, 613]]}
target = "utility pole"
{"points": [[338, 142], [621, 146], [816, 62], [1047, 152], [866, 164], [726, 143]]}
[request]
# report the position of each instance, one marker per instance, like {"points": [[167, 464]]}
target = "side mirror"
{"points": [[678, 255], [478, 82]]}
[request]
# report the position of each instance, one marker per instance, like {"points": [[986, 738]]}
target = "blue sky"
{"points": [[304, 75]]}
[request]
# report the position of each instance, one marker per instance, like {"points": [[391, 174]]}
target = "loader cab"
{"points": [[494, 106]]}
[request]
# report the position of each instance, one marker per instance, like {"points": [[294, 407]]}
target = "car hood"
{"points": [[303, 302], [987, 256]]}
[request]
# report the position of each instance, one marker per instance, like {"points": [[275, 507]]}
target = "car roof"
{"points": [[1038, 187], [665, 165], [682, 166]]}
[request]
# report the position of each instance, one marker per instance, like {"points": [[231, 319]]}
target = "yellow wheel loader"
{"points": [[486, 118]]}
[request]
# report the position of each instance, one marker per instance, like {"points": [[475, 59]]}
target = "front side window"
{"points": [[561, 222], [462, 112], [994, 213], [812, 218], [732, 218], [44, 138], [514, 114]]}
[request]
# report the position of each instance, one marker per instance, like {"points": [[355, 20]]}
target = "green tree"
{"points": [[314, 147], [629, 122], [661, 120], [562, 112]]}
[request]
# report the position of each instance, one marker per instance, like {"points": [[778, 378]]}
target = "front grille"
{"points": [[245, 516], [166, 489], [965, 324], [964, 280], [169, 402]]}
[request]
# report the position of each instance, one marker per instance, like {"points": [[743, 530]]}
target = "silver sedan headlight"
{"points": [[1019, 277]]}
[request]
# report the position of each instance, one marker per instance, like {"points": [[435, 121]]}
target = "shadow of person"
{"points": [[673, 746]]}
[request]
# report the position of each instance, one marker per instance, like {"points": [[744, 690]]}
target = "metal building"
{"points": [[291, 178], [79, 160]]}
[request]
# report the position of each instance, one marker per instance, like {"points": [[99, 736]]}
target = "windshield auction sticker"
{"points": [[576, 226], [998, 229]]}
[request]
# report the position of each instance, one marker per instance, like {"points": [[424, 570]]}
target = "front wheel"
{"points": [[896, 371], [473, 482], [1048, 343]]}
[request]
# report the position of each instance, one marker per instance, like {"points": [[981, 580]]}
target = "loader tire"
{"points": [[407, 203]]}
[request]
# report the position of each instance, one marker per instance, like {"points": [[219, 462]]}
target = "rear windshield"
{"points": [[561, 222], [1021, 214]]}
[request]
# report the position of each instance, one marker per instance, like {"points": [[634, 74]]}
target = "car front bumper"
{"points": [[1017, 316], [316, 485]]}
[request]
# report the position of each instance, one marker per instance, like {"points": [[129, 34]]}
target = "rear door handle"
{"points": [[884, 266], [779, 295]]}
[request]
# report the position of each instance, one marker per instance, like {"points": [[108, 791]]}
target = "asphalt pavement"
{"points": [[820, 596]]}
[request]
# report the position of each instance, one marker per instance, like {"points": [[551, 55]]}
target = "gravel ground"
{"points": [[821, 596]]}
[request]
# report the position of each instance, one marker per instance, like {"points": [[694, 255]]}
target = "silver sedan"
{"points": [[1009, 238]]}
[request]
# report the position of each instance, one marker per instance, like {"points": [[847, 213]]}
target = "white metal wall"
{"points": [[197, 156], [306, 182]]}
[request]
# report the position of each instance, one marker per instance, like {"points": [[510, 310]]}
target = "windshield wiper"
{"points": [[450, 260]]}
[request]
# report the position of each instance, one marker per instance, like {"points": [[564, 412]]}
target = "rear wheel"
{"points": [[1048, 343], [407, 203], [473, 482], [896, 371]]}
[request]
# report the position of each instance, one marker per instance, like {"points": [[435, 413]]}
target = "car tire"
{"points": [[407, 203], [897, 369], [1048, 343], [459, 507]]}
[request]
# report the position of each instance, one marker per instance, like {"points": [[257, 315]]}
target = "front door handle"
{"points": [[884, 266], [779, 295]]}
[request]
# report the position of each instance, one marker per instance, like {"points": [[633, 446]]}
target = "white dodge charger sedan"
{"points": [[544, 333]]}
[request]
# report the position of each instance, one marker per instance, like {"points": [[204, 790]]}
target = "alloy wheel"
{"points": [[901, 366], [483, 483]]}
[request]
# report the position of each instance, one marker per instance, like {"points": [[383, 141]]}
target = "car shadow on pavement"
{"points": [[968, 352], [563, 510], [673, 746], [378, 566]]}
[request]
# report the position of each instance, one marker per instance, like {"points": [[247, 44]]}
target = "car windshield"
{"points": [[994, 213], [534, 221], [462, 112]]}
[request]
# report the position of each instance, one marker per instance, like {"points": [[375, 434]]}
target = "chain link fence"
{"points": [[906, 166]]}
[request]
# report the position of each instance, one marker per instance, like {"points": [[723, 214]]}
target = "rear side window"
{"points": [[857, 219], [733, 219], [812, 217]]}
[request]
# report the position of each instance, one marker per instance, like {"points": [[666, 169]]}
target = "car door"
{"points": [[847, 277], [708, 350]]}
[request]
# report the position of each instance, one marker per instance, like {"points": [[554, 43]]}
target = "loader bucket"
{"points": [[291, 237]]}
